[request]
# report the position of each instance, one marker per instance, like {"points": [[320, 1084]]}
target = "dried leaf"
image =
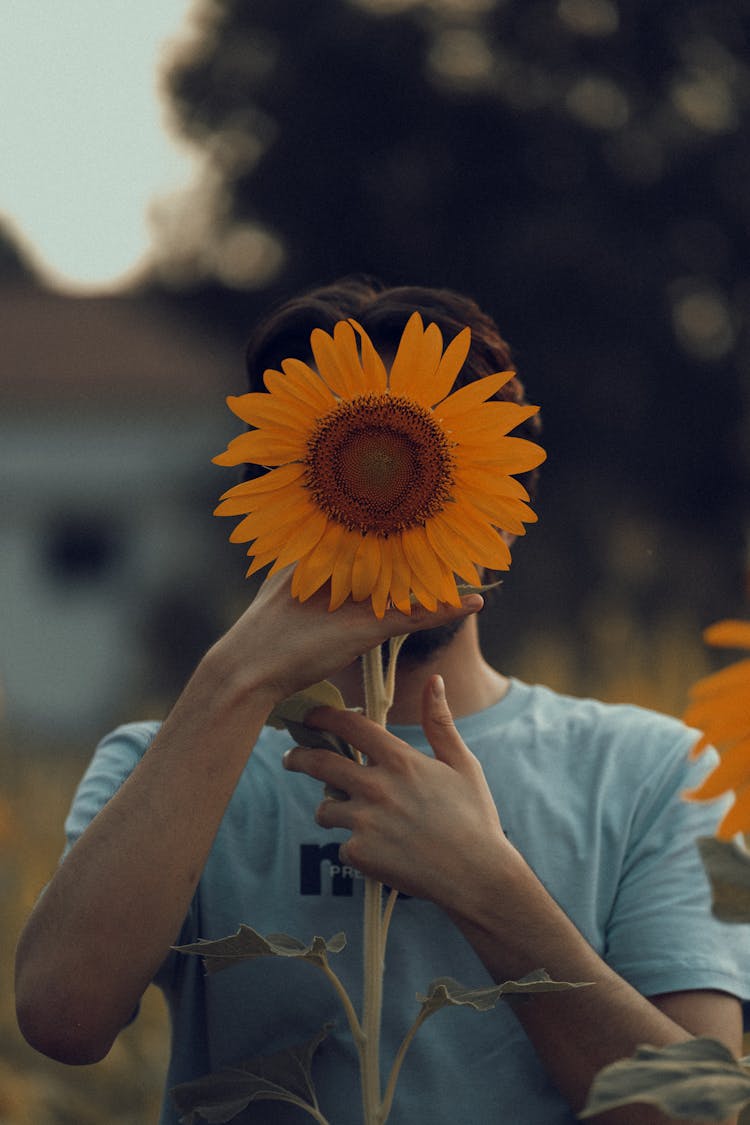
{"points": [[297, 707], [291, 713], [727, 865], [445, 992], [283, 1076], [697, 1079], [247, 944]]}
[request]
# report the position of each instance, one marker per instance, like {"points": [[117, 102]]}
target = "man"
{"points": [[529, 831]]}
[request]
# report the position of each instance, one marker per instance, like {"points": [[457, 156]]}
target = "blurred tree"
{"points": [[579, 166], [14, 264]]}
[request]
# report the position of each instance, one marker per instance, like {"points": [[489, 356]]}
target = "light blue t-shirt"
{"points": [[590, 794]]}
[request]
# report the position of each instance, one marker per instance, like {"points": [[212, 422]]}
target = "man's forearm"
{"points": [[114, 907], [575, 1033]]}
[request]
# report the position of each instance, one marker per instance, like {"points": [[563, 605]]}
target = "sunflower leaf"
{"points": [[283, 1076], [291, 713], [464, 588], [446, 992], [297, 706], [247, 944], [698, 1078], [727, 865]]}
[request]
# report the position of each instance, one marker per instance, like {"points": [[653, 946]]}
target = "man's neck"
{"points": [[471, 684]]}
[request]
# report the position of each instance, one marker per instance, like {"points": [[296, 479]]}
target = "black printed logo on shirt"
{"points": [[340, 877]]}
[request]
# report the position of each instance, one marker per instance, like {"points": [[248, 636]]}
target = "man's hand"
{"points": [[422, 825], [292, 644]]}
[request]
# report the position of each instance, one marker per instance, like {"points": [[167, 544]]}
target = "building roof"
{"points": [[109, 348]]}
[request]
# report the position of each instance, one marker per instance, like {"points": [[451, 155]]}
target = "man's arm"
{"points": [[115, 905], [459, 857]]}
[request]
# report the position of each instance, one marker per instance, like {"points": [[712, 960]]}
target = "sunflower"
{"points": [[720, 707], [379, 479]]}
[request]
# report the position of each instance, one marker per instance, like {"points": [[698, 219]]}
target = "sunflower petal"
{"points": [[467, 398], [341, 579], [727, 681], [292, 497], [506, 455], [240, 506], [263, 447], [449, 366], [299, 382], [488, 481], [381, 589], [486, 546], [495, 419], [259, 561], [337, 360], [509, 515], [372, 365], [417, 358], [318, 564], [451, 550], [449, 591], [297, 508], [728, 634], [314, 566], [400, 575], [261, 409], [269, 482], [300, 542], [425, 564], [366, 567], [425, 597]]}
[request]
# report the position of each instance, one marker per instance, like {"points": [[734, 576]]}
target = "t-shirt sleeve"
{"points": [[114, 760], [662, 935]]}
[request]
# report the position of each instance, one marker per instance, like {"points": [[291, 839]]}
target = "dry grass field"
{"points": [[125, 1089]]}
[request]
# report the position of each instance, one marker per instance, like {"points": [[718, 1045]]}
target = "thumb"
{"points": [[438, 725]]}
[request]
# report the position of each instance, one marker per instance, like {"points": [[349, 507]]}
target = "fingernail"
{"points": [[438, 688], [472, 601]]}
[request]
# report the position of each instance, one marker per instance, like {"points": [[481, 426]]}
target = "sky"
{"points": [[83, 133]]}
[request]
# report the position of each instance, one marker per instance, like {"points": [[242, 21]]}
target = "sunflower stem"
{"points": [[394, 648], [378, 699], [372, 1002]]}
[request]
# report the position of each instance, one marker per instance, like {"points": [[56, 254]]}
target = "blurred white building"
{"points": [[110, 411]]}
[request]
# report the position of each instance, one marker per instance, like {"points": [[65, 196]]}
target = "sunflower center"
{"points": [[379, 463]]}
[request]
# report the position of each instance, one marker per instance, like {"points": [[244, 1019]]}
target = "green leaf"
{"points": [[464, 588], [727, 865], [247, 944], [445, 992], [283, 1076], [697, 1079]]}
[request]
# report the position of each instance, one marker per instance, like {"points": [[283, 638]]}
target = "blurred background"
{"points": [[171, 170]]}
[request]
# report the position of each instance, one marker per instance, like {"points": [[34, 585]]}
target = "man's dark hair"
{"points": [[383, 312]]}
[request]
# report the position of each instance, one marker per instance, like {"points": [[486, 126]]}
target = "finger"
{"points": [[322, 765], [438, 725], [396, 623], [334, 814], [359, 731]]}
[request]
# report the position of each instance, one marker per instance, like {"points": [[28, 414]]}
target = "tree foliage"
{"points": [[579, 166]]}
